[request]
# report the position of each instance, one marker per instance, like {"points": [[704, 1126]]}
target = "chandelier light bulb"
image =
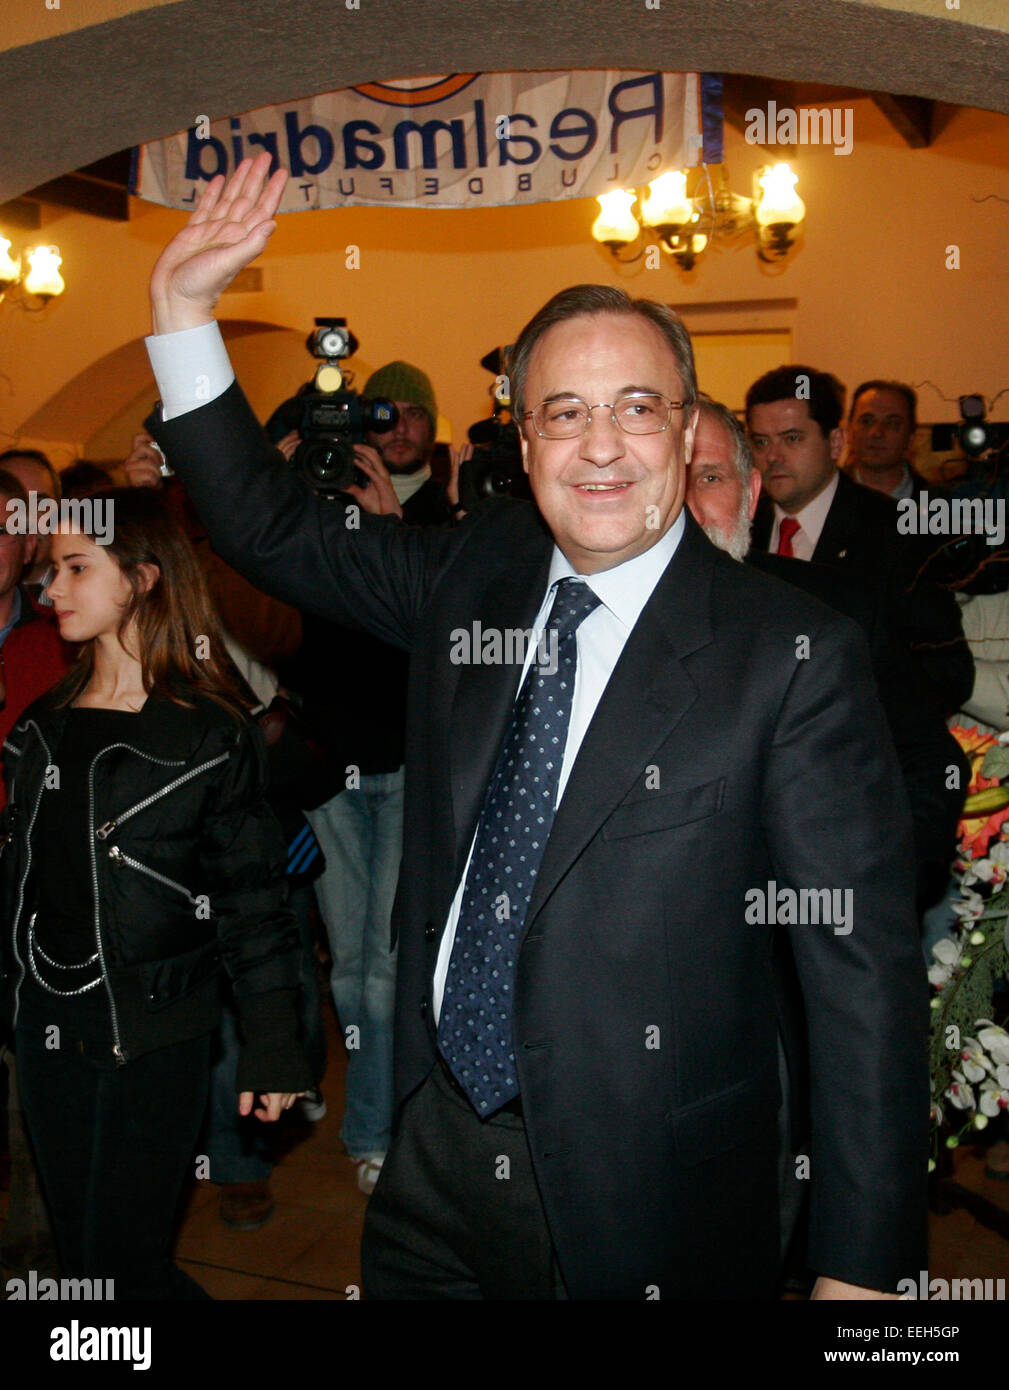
{"points": [[616, 224], [666, 204], [10, 268], [44, 278], [779, 202]]}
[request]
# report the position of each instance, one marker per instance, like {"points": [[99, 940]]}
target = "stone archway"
{"points": [[88, 91], [97, 412]]}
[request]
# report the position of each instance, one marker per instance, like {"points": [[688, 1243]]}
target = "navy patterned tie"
{"points": [[475, 1024]]}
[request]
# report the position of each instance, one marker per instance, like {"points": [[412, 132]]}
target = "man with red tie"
{"points": [[811, 510], [794, 420]]}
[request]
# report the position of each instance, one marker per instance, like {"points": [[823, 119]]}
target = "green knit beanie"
{"points": [[398, 381]]}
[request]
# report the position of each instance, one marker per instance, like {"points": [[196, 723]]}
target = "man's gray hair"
{"points": [[742, 454], [601, 299]]}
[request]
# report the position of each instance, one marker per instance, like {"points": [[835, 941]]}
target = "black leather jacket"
{"points": [[187, 864]]}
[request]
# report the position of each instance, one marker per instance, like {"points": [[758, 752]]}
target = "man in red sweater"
{"points": [[32, 654], [32, 658]]}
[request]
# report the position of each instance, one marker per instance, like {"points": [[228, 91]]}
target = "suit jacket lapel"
{"points": [[484, 693], [840, 524], [763, 523]]}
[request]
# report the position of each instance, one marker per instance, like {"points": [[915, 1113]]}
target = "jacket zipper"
{"points": [[24, 876], [118, 857], [117, 1048], [104, 831]]}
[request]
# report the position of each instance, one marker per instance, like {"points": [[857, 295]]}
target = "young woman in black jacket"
{"points": [[140, 856]]}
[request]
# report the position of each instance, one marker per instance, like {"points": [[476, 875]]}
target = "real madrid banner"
{"points": [[465, 140]]}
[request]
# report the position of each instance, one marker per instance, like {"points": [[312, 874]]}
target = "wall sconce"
{"points": [[41, 280], [684, 225]]}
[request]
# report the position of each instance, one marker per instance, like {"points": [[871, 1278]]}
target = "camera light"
{"points": [[973, 433], [328, 378], [333, 342]]}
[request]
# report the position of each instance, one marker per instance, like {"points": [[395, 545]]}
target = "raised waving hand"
{"points": [[230, 225]]}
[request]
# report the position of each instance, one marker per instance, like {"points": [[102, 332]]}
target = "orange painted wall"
{"points": [[873, 294]]}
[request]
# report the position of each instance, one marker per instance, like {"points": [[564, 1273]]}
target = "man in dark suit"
{"points": [[881, 425], [810, 510], [723, 489], [586, 1062]]}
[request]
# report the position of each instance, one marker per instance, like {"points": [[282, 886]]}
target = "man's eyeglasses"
{"points": [[636, 412]]}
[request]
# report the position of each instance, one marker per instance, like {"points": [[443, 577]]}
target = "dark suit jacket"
{"points": [[925, 747], [360, 722], [644, 1024], [918, 483], [860, 537]]}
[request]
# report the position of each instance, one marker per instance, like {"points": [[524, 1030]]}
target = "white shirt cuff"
{"points": [[191, 368]]}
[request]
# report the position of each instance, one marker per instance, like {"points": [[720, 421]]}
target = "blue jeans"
{"points": [[242, 1149], [361, 834]]}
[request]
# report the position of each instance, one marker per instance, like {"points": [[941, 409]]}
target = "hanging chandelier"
{"points": [[684, 225]]}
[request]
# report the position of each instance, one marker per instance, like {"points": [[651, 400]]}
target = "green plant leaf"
{"points": [[996, 763]]}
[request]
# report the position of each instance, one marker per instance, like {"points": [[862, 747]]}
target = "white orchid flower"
{"points": [[960, 1095], [995, 1094], [947, 955], [995, 1041], [975, 1062], [970, 906]]}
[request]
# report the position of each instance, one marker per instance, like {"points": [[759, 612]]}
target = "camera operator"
{"points": [[355, 694]]}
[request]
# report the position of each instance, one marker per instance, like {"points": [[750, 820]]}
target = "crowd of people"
{"points": [[239, 721]]}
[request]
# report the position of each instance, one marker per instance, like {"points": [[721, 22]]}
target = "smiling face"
{"points": [[606, 495], [407, 446], [89, 591], [795, 458], [879, 431]]}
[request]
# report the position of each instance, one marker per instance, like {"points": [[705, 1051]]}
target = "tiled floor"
{"points": [[310, 1247]]}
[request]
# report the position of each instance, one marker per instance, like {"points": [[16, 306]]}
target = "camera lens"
{"points": [[326, 464]]}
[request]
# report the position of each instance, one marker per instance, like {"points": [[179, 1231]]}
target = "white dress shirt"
{"points": [[191, 367], [624, 591], [811, 522], [905, 488]]}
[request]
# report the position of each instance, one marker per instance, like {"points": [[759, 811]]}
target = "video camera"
{"points": [[331, 417], [495, 470]]}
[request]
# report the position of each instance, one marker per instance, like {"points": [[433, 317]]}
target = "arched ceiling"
{"points": [[75, 90]]}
